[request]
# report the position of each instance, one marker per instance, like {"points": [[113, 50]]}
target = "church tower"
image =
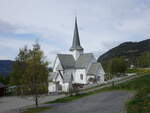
{"points": [[76, 48]]}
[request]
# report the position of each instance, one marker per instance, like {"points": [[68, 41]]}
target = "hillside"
{"points": [[128, 50], [5, 67]]}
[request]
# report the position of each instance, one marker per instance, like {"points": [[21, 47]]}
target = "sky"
{"points": [[103, 24]]}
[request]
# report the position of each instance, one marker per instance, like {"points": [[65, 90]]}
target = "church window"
{"points": [[81, 76], [98, 78], [72, 79]]}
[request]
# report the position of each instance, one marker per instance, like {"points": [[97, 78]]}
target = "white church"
{"points": [[75, 68]]}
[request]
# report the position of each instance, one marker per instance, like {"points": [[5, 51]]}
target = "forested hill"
{"points": [[5, 67], [128, 50]]}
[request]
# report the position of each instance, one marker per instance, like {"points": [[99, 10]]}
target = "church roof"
{"points": [[93, 69], [84, 60], [76, 41], [68, 76], [66, 60]]}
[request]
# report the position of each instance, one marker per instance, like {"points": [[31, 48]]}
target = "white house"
{"points": [[77, 67]]}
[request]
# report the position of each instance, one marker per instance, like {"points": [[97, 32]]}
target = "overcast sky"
{"points": [[103, 24]]}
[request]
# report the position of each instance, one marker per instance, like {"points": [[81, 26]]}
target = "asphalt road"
{"points": [[13, 104], [106, 102]]}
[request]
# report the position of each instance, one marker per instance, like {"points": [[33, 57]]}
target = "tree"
{"points": [[31, 71], [144, 60], [1, 78], [117, 65], [19, 67], [36, 73], [4, 79]]}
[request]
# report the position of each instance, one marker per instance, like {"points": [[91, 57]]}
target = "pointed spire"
{"points": [[76, 41]]}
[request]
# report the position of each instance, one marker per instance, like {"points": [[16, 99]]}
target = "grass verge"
{"points": [[36, 110]]}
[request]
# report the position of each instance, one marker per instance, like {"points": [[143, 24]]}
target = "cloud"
{"points": [[9, 47], [6, 27], [103, 24]]}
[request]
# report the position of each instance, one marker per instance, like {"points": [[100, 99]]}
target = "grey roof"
{"points": [[84, 60], [93, 68], [76, 41], [66, 60], [2, 85], [68, 77]]}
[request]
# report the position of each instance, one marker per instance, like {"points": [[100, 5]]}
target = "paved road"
{"points": [[14, 103], [107, 102]]}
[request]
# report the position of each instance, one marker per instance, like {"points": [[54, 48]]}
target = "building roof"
{"points": [[2, 85], [93, 69], [84, 60], [66, 60], [76, 40], [68, 77]]}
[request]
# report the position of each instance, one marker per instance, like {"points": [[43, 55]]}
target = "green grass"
{"points": [[140, 103], [36, 110], [139, 71]]}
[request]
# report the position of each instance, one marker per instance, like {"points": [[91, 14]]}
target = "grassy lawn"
{"points": [[140, 103], [36, 110]]}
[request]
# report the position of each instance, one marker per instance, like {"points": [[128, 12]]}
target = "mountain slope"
{"points": [[129, 50], [5, 67]]}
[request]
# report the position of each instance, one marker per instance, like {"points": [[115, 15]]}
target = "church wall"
{"points": [[59, 79], [101, 74], [51, 87], [65, 87], [56, 64], [78, 74], [102, 70]]}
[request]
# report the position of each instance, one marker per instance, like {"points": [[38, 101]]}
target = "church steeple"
{"points": [[76, 40], [76, 48]]}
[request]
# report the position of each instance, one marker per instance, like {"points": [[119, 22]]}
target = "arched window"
{"points": [[81, 76]]}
